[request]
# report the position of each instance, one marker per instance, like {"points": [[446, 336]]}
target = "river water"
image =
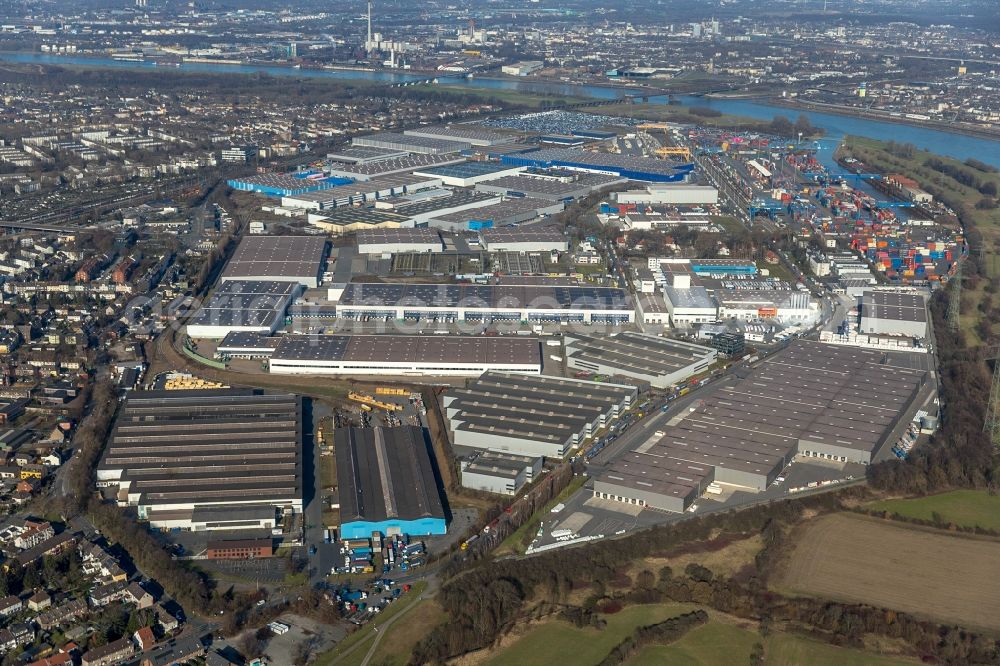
{"points": [[836, 127]]}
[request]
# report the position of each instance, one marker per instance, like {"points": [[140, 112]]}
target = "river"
{"points": [[836, 127]]}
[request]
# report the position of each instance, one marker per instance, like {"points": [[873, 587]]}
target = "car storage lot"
{"points": [[928, 573]]}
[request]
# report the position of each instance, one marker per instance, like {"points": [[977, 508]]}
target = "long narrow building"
{"points": [[214, 459]]}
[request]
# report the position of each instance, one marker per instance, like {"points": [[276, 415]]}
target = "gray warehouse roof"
{"points": [[385, 473], [893, 306], [409, 349], [208, 447], [277, 257], [639, 353]]}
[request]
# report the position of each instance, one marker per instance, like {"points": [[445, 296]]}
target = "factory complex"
{"points": [[810, 399], [206, 459], [386, 483], [250, 306]]}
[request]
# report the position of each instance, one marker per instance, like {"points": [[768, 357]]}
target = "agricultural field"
{"points": [[858, 559], [965, 508]]}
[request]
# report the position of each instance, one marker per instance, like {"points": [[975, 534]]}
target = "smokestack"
{"points": [[368, 44]]}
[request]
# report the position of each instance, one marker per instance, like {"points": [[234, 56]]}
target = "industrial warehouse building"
{"points": [[365, 192], [534, 238], [660, 361], [404, 355], [386, 483], [249, 306], [824, 401], [285, 185], [625, 166], [488, 303], [394, 166], [499, 472], [409, 143], [347, 219], [893, 313], [495, 214], [468, 174], [296, 259], [660, 482], [677, 194], [532, 416], [549, 185], [392, 241], [206, 459], [477, 135]]}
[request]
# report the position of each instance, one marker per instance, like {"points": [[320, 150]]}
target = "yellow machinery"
{"points": [[674, 150], [372, 402], [656, 126], [389, 390]]}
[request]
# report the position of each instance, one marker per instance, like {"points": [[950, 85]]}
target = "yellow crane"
{"points": [[674, 150], [372, 402]]}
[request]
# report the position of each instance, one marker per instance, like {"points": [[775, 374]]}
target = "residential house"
{"points": [[144, 639], [10, 605], [34, 535], [110, 654], [15, 636], [62, 614], [103, 595], [176, 651], [39, 600], [134, 594]]}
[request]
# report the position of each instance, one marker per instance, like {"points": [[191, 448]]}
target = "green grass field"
{"points": [[967, 508], [788, 650], [555, 641], [713, 643]]}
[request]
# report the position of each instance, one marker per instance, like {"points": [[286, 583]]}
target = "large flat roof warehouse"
{"points": [[386, 483], [343, 220], [387, 236], [502, 239], [535, 415], [283, 185], [626, 166], [813, 399], [363, 154], [551, 187], [278, 258], [894, 306], [491, 296], [509, 211], [468, 174], [255, 306], [474, 134], [405, 355], [660, 361], [176, 451], [412, 144], [389, 167], [361, 192]]}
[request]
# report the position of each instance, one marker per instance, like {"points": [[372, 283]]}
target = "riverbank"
{"points": [[882, 116]]}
